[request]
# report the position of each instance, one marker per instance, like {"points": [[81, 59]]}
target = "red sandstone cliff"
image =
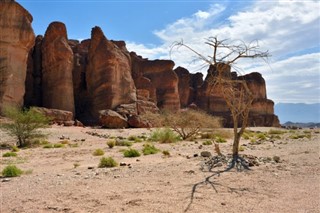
{"points": [[16, 40], [98, 74]]}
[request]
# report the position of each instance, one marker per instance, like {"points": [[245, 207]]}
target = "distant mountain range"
{"points": [[298, 113]]}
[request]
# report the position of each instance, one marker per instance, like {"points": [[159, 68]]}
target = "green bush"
{"points": [[25, 124], [135, 138], [149, 149], [15, 149], [98, 152], [51, 145], [9, 154], [261, 136], [207, 142], [165, 135], [11, 171], [123, 143], [107, 162], [131, 153], [111, 143], [220, 139]]}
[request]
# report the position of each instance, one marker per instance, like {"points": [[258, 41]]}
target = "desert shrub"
{"points": [[123, 143], [131, 153], [164, 135], [219, 139], [207, 142], [188, 123], [299, 136], [107, 162], [149, 149], [276, 132], [64, 142], [155, 119], [261, 136], [166, 153], [111, 143], [241, 148], [135, 138], [50, 145], [98, 152], [9, 154], [15, 149], [11, 171], [25, 124]]}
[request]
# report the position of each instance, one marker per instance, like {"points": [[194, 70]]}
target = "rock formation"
{"points": [[211, 99], [98, 80], [156, 79], [16, 40], [108, 75], [57, 66]]}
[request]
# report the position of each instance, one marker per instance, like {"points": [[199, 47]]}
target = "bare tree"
{"points": [[235, 91]]}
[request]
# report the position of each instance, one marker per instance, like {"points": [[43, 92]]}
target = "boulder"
{"points": [[111, 119], [56, 115], [108, 76], [57, 66], [16, 40], [137, 122]]}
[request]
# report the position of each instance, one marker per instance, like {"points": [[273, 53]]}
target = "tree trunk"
{"points": [[235, 146]]}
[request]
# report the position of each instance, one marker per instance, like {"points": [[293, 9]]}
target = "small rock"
{"points": [[129, 167], [223, 204], [123, 164], [276, 159], [90, 167], [188, 157], [206, 154], [6, 180], [138, 160], [195, 155], [78, 173], [200, 147]]}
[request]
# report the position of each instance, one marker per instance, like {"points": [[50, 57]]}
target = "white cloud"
{"points": [[202, 14], [286, 28]]}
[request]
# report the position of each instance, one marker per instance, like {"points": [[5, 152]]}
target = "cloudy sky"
{"points": [[289, 29]]}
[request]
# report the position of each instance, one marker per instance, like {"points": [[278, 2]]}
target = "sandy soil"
{"points": [[155, 183]]}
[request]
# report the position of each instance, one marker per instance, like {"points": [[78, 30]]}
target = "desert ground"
{"points": [[68, 179]]}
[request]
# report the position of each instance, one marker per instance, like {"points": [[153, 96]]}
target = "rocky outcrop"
{"points": [[57, 116], [98, 78], [16, 40], [111, 119], [211, 99], [57, 66], [157, 77], [108, 75]]}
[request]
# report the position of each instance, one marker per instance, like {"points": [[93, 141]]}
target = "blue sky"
{"points": [[290, 30]]}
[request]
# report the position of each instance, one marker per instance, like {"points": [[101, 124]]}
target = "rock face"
{"points": [[57, 66], [98, 80], [157, 80], [16, 40], [108, 75], [212, 100]]}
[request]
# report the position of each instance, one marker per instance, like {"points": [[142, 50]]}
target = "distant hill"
{"points": [[302, 125], [298, 113]]}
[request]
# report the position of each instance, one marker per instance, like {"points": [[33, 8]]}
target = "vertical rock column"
{"points": [[57, 65], [16, 40], [108, 75]]}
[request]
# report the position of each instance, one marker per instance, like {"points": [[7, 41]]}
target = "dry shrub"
{"points": [[155, 119], [188, 123]]}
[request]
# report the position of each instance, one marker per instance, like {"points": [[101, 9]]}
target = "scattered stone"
{"points": [[138, 160], [123, 164], [90, 167], [6, 180], [200, 147], [206, 154], [196, 155], [276, 159], [223, 204]]}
